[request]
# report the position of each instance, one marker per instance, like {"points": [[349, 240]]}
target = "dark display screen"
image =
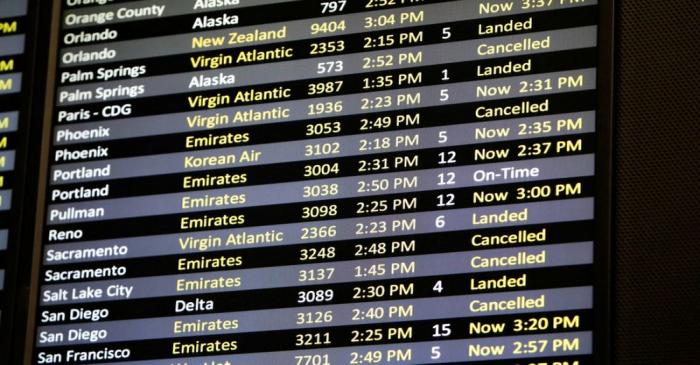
{"points": [[323, 183], [13, 64]]}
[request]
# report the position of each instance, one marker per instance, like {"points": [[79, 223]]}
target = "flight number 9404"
{"points": [[328, 27]]}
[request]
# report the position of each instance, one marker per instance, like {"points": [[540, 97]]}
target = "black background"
{"points": [[656, 252]]}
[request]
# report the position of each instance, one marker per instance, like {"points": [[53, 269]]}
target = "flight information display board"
{"points": [[323, 183]]}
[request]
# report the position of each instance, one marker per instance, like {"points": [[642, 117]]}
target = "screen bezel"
{"points": [[602, 349]]}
